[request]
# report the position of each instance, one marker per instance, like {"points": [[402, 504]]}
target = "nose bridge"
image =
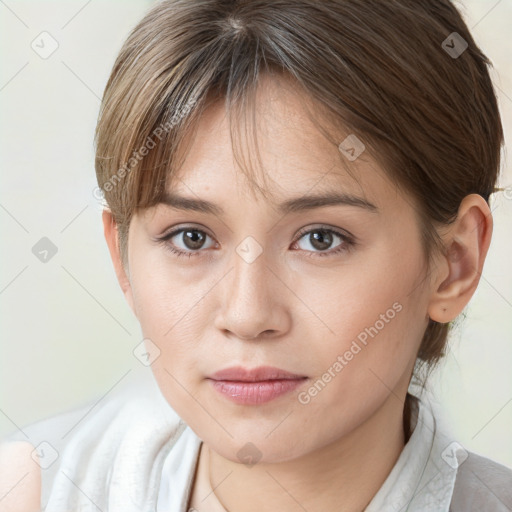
{"points": [[249, 284], [251, 306], [250, 278]]}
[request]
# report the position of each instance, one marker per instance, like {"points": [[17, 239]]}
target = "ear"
{"points": [[467, 241], [112, 237]]}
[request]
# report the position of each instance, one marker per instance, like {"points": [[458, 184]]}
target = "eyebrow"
{"points": [[298, 204]]}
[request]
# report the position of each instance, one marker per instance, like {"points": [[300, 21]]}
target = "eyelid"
{"points": [[178, 227], [340, 232]]}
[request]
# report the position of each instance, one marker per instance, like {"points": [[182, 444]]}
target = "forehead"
{"points": [[284, 152]]}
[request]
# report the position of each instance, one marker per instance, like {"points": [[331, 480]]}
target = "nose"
{"points": [[253, 301]]}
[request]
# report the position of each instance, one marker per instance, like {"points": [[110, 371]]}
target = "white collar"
{"points": [[423, 477]]}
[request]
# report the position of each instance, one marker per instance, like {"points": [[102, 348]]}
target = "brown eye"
{"points": [[185, 241], [320, 240], [193, 239]]}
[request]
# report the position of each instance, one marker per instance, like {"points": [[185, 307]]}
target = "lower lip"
{"points": [[255, 392]]}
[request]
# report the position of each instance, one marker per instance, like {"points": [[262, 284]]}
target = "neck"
{"points": [[344, 475]]}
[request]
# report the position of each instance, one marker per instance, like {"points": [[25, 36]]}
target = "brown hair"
{"points": [[381, 69]]}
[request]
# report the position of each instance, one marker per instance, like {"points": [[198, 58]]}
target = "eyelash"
{"points": [[347, 242]]}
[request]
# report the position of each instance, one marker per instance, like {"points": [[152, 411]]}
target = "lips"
{"points": [[255, 386], [261, 373]]}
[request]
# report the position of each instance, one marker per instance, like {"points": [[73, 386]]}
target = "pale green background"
{"points": [[67, 334]]}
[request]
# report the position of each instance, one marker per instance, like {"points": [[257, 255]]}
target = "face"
{"points": [[333, 293]]}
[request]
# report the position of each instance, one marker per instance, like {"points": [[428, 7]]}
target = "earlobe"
{"points": [[112, 238], [467, 242]]}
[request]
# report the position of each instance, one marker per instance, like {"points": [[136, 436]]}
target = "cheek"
{"points": [[169, 310], [161, 292], [375, 321], [362, 298], [159, 299], [173, 308]]}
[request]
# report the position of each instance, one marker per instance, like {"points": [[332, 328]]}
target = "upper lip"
{"points": [[239, 373]]}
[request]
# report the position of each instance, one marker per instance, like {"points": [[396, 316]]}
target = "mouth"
{"points": [[255, 386]]}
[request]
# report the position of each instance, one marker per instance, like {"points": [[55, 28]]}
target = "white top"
{"points": [[130, 452]]}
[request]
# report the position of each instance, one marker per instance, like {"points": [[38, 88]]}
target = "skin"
{"points": [[285, 309], [20, 478]]}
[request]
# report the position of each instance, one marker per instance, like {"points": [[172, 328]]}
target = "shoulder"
{"points": [[99, 445], [482, 484], [20, 477], [30, 456]]}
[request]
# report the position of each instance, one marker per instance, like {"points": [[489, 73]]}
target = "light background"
{"points": [[67, 333]]}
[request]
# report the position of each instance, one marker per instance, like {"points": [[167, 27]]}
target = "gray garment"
{"points": [[482, 485]]}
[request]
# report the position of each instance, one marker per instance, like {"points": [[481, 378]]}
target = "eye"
{"points": [[321, 239], [191, 240]]}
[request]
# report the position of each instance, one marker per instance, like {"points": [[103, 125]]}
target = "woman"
{"points": [[296, 210]]}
